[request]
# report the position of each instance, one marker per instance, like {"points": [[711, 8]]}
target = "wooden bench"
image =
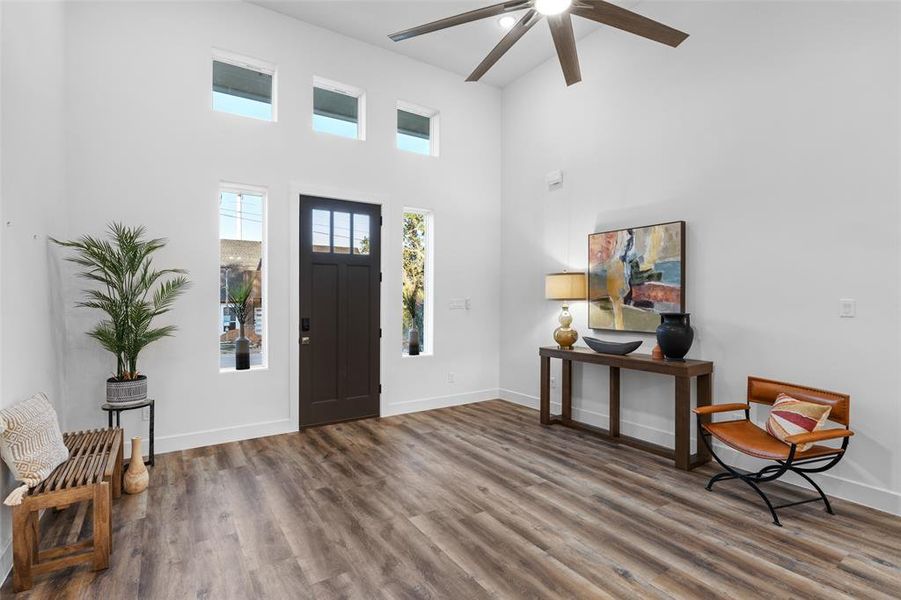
{"points": [[93, 472]]}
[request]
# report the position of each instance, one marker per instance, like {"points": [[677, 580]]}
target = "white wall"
{"points": [[144, 147], [32, 164], [774, 132]]}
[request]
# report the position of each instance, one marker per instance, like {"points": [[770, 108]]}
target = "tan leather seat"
{"points": [[746, 437]]}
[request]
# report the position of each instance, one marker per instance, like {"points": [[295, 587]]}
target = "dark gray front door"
{"points": [[340, 246]]}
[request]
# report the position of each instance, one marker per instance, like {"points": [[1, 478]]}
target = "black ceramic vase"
{"points": [[242, 351], [674, 335], [413, 342]]}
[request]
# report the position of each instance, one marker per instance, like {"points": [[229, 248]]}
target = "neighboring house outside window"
{"points": [[241, 255]]}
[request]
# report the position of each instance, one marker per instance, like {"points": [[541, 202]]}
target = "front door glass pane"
{"points": [[321, 231], [342, 233], [361, 234]]}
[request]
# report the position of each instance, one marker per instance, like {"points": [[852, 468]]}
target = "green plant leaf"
{"points": [[131, 292]]}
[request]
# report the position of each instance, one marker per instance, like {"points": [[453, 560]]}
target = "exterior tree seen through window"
{"points": [[414, 278]]}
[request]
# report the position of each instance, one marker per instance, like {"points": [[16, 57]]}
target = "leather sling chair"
{"points": [[746, 437]]}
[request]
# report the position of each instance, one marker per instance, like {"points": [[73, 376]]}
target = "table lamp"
{"points": [[566, 287]]}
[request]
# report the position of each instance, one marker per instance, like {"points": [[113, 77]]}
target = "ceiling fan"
{"points": [[559, 16]]}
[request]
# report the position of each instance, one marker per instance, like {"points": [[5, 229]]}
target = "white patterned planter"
{"points": [[126, 391]]}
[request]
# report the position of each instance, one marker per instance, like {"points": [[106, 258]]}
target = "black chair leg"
{"points": [[719, 477], [817, 488], [760, 493], [731, 473]]}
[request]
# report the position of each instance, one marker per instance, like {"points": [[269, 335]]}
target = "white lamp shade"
{"points": [[565, 286]]}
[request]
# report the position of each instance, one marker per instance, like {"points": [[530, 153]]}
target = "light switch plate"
{"points": [[847, 308], [554, 180]]}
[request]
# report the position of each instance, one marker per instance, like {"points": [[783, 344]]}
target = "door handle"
{"points": [[305, 341]]}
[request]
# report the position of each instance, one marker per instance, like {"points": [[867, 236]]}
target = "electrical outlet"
{"points": [[145, 413], [554, 383], [847, 308], [450, 377]]}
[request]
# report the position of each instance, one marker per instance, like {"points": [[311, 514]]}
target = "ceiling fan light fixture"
{"points": [[552, 7], [507, 22], [559, 15]]}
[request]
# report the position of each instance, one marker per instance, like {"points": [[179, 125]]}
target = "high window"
{"points": [[417, 129], [242, 256], [243, 86], [338, 109], [416, 293]]}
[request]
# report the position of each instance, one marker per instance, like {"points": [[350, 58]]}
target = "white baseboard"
{"points": [[411, 406], [222, 435], [660, 437], [834, 485]]}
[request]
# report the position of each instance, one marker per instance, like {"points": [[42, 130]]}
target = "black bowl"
{"points": [[620, 348]]}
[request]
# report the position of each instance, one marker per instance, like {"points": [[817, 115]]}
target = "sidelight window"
{"points": [[242, 272], [416, 293]]}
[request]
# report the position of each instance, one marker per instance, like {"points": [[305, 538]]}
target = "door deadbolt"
{"points": [[305, 341]]}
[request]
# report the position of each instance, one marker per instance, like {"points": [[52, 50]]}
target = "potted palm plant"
{"points": [[237, 300], [131, 294]]}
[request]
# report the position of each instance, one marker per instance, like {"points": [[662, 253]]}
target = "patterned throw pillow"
{"points": [[30, 443], [790, 416]]}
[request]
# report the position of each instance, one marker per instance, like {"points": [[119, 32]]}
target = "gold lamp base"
{"points": [[565, 336]]}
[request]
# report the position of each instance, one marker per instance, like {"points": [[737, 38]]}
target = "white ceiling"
{"points": [[457, 49]]}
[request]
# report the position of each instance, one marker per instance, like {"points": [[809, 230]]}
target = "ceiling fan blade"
{"points": [[518, 30], [467, 17], [614, 16], [565, 41]]}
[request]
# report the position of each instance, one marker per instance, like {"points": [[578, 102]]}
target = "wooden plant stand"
{"points": [[93, 473]]}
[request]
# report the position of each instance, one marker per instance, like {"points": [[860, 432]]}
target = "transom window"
{"points": [[338, 109], [243, 86], [417, 129], [340, 232]]}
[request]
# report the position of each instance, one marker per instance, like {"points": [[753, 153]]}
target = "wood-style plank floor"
{"points": [[476, 501]]}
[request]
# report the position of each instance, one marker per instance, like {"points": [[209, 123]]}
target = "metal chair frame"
{"points": [[774, 472]]}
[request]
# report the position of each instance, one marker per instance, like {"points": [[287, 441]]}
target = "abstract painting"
{"points": [[634, 275]]}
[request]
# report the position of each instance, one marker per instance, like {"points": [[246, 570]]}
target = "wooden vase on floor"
{"points": [[136, 477]]}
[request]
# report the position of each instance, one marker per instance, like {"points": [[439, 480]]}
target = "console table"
{"points": [[680, 371]]}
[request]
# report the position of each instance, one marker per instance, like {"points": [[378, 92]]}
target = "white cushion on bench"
{"points": [[30, 443]]}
